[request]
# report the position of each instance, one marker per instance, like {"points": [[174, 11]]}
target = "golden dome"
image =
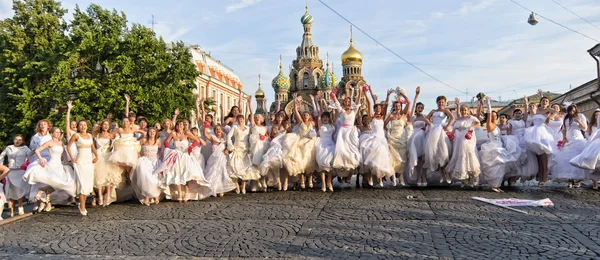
{"points": [[351, 54], [259, 93]]}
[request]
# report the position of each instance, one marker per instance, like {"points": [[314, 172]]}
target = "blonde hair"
{"points": [[38, 128]]}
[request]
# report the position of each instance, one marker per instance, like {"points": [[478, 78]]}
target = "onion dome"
{"points": [[351, 54], [280, 82], [259, 94], [306, 18]]}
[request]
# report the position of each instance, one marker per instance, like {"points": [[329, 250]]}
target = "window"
{"points": [[305, 81], [317, 79], [214, 95]]}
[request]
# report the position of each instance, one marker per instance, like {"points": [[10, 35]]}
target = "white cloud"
{"points": [[469, 7], [168, 33], [241, 5], [437, 15]]}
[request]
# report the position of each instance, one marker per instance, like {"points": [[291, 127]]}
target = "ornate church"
{"points": [[308, 75]]}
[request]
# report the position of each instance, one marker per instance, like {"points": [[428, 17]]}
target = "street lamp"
{"points": [[532, 19], [595, 53]]}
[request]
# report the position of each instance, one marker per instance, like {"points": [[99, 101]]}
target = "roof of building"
{"points": [[200, 56]]}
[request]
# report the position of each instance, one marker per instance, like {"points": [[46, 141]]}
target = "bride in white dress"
{"points": [[464, 164], [589, 158], [528, 166], [399, 129], [299, 147], [50, 171], [41, 136], [438, 146], [499, 155], [240, 161], [375, 152], [259, 141], [573, 144], [539, 139], [272, 161], [416, 144], [182, 174], [16, 188], [83, 163], [216, 167], [146, 184], [325, 151], [347, 154]]}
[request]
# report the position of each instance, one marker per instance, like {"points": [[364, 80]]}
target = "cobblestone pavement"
{"points": [[439, 223]]}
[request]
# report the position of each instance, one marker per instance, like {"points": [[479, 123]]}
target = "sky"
{"points": [[473, 46]]}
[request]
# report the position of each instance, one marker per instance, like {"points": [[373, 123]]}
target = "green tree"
{"points": [[33, 43], [98, 61]]}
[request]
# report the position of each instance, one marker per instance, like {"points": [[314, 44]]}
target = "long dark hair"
{"points": [[593, 121], [570, 117]]}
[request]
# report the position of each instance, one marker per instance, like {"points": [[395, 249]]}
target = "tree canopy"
{"points": [[94, 60]]}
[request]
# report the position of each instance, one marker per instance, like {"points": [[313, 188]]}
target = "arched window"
{"points": [[305, 80], [317, 79]]}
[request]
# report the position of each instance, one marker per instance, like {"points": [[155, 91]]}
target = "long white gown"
{"points": [[416, 147], [375, 152], [216, 169], [325, 151], [126, 150], [240, 161], [589, 158], [55, 174], [259, 143], [528, 165], [15, 188], [84, 168], [347, 155], [272, 161], [106, 172], [299, 150], [37, 141], [562, 170], [464, 162], [145, 182], [180, 168], [398, 133], [438, 147], [498, 157], [538, 137]]}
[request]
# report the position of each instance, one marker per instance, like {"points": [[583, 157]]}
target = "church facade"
{"points": [[308, 75]]}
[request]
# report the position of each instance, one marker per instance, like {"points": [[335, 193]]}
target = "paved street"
{"points": [[369, 223]]}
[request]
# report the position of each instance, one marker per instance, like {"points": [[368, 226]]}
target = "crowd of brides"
{"points": [[382, 142]]}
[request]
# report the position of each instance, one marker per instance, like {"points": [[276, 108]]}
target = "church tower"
{"points": [[307, 69], [328, 81], [351, 67], [281, 86], [259, 95]]}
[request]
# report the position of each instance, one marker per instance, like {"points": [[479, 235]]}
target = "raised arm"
{"points": [[457, 104], [407, 105], [490, 123], [296, 107], [526, 110], [174, 120], [240, 96], [127, 100], [199, 109], [68, 131], [414, 104], [252, 123]]}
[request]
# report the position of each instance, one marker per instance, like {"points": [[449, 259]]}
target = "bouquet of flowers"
{"points": [[480, 96], [469, 135], [332, 94], [450, 135], [262, 137]]}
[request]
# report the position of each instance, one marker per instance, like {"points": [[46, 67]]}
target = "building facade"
{"points": [[586, 97], [308, 76], [218, 82]]}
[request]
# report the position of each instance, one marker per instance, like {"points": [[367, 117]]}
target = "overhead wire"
{"points": [[391, 51], [552, 21], [569, 10]]}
